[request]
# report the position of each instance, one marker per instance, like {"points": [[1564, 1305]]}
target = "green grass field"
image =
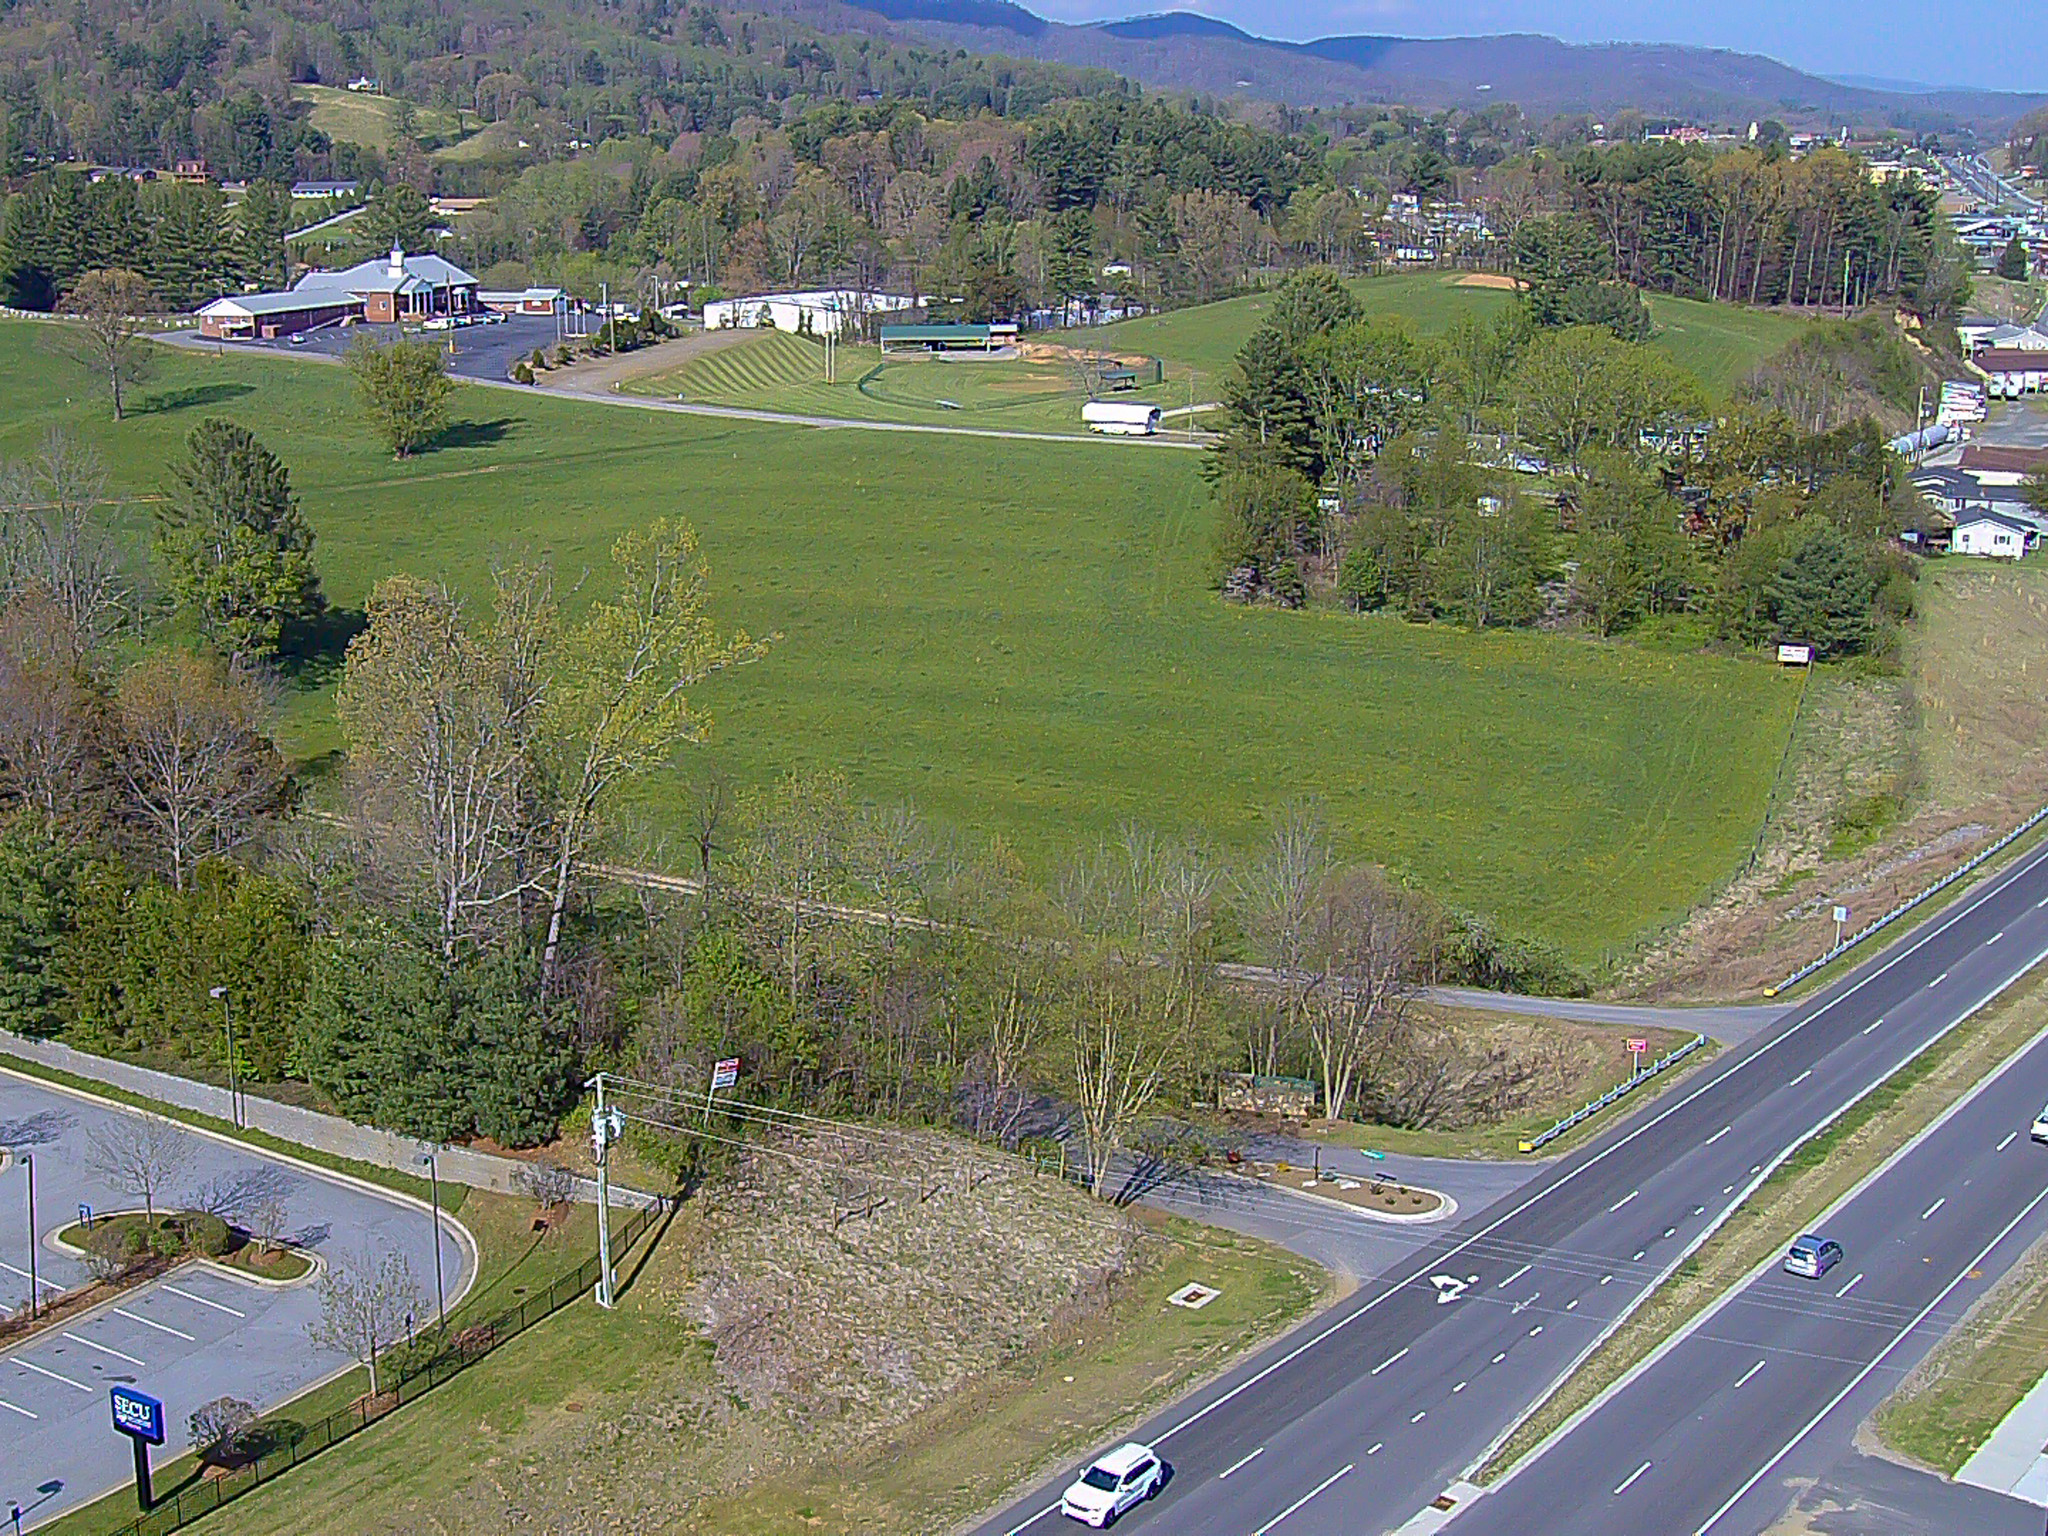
{"points": [[363, 117], [775, 371], [1718, 342], [1020, 639]]}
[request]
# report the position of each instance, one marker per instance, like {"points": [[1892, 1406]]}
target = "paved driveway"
{"points": [[199, 1333]]}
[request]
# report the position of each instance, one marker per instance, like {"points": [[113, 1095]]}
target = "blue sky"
{"points": [[1997, 44]]}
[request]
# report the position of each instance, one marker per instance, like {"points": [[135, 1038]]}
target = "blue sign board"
{"points": [[138, 1414]]}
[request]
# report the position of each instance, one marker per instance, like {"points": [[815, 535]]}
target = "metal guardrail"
{"points": [[1975, 861], [1615, 1094]]}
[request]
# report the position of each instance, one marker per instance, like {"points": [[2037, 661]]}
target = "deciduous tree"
{"points": [[111, 303], [365, 1302], [139, 1154], [404, 390]]}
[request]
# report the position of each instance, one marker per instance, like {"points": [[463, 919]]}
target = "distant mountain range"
{"points": [[1179, 51]]}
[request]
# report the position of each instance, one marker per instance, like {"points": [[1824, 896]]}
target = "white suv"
{"points": [[1128, 1475], [2040, 1131]]}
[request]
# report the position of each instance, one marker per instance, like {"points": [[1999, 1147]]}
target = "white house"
{"points": [[821, 312], [1993, 534]]}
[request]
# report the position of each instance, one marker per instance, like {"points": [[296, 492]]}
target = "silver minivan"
{"points": [[1813, 1256]]}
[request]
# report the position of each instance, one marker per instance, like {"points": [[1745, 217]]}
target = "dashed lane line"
{"points": [[1749, 1375], [1319, 1487], [1241, 1462], [1630, 1481], [1391, 1359]]}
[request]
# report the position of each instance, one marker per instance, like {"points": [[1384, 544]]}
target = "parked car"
{"points": [[1813, 1256], [1130, 1474], [437, 323], [2041, 1126]]}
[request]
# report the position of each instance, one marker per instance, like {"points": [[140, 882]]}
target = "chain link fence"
{"points": [[416, 1368]]}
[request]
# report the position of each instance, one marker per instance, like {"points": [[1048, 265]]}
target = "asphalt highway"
{"points": [[1361, 1419], [1768, 1389]]}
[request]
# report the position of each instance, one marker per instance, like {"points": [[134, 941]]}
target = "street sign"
{"points": [[1637, 1049], [725, 1073], [1841, 914], [1795, 655], [138, 1414]]}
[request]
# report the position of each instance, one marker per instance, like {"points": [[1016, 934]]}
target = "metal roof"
{"points": [[935, 333], [295, 302]]}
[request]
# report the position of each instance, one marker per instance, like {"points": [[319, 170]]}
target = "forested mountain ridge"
{"points": [[1180, 51]]}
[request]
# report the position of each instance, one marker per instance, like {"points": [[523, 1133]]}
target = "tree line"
{"points": [[1520, 472]]}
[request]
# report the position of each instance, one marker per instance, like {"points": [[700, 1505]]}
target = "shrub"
{"points": [[218, 1429], [538, 361], [207, 1235], [561, 354], [522, 373]]}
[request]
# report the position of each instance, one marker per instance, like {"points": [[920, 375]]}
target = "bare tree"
{"points": [[201, 775], [217, 1429], [796, 858], [110, 303], [51, 536], [1127, 1041], [1276, 899], [266, 1224], [364, 1304], [53, 725], [1364, 950], [139, 1155]]}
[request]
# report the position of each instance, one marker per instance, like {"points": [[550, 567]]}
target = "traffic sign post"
{"points": [[1841, 921], [1637, 1049], [724, 1073], [141, 1418]]}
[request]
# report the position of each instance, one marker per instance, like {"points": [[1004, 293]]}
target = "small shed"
{"points": [[1294, 1097]]}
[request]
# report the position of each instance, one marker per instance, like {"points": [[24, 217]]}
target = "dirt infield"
{"points": [[1490, 280]]}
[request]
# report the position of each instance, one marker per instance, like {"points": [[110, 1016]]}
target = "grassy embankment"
{"points": [[1023, 642], [365, 117]]}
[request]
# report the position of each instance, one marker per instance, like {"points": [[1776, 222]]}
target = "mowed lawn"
{"points": [[1020, 639], [1719, 343]]}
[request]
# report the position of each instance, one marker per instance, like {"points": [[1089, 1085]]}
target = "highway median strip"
{"points": [[1808, 1181]]}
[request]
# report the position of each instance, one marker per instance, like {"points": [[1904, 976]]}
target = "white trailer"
{"points": [[1121, 418]]}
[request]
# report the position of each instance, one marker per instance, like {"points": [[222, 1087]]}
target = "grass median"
{"points": [[1815, 1176]]}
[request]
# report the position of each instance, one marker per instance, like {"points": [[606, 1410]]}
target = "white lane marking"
{"points": [[1500, 1357], [48, 1285], [1911, 945], [1420, 1417], [1572, 1305], [1748, 1374], [1872, 1025], [1728, 1189], [175, 1291], [1607, 1279], [1938, 980], [1624, 1200], [1511, 1279], [1386, 1362], [1802, 1077], [1845, 1290], [12, 1409], [1461, 1386], [1376, 1447], [1718, 1135], [1671, 1231], [1630, 1481], [1638, 1255], [1536, 1330], [1934, 1207], [1245, 1462], [2009, 1135], [1290, 1509], [137, 1317], [30, 1365], [103, 1349], [1876, 1360], [1996, 937]]}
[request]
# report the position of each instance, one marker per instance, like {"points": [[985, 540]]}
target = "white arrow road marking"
{"points": [[1448, 1288]]}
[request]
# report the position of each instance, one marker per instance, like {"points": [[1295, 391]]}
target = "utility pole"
{"points": [[612, 336], [605, 1126], [227, 1021]]}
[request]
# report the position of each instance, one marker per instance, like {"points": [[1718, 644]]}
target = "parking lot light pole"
{"points": [[227, 1021], [35, 1290], [434, 1183]]}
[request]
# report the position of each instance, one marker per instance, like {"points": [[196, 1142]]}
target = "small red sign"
{"points": [[1638, 1047]]}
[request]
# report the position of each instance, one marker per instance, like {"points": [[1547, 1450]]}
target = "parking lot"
{"points": [[480, 351], [200, 1332]]}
